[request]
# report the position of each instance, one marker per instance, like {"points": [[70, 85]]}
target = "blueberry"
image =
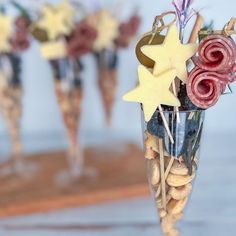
{"points": [[77, 82], [167, 108], [107, 58], [155, 126], [16, 66], [178, 131], [191, 137], [192, 128], [188, 105]]}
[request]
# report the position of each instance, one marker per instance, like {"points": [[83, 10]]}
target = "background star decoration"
{"points": [[5, 33], [171, 54], [68, 11], [107, 30], [54, 22], [153, 91]]}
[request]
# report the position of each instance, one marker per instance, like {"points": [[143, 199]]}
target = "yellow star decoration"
{"points": [[153, 91], [5, 33], [171, 54], [107, 29], [54, 22], [68, 11]]}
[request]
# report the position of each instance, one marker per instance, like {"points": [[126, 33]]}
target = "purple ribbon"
{"points": [[183, 11]]}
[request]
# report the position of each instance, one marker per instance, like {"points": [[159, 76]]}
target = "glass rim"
{"points": [[186, 111], [181, 111]]}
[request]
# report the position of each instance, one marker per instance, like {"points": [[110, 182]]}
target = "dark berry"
{"points": [[22, 22], [192, 128], [155, 126]]}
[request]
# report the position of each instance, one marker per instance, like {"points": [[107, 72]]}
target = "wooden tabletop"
{"points": [[120, 173], [211, 211]]}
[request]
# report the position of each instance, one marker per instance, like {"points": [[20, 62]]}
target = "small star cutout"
{"points": [[171, 54], [54, 22], [107, 29], [68, 11], [5, 33], [153, 91]]}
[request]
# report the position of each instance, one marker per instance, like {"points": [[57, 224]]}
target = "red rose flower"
{"points": [[20, 41], [127, 31], [22, 22], [82, 39]]}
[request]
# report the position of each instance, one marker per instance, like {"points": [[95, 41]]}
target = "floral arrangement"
{"points": [[112, 35], [213, 63], [64, 40], [14, 40], [178, 81], [15, 35], [127, 31], [60, 33]]}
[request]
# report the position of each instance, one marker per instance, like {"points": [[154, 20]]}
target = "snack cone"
{"points": [[172, 168], [107, 80], [10, 102], [68, 90]]}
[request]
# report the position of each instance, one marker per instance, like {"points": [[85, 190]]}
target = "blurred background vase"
{"points": [[172, 167], [11, 107], [107, 63], [69, 92]]}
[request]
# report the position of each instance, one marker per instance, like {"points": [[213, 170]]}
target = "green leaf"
{"points": [[22, 10]]}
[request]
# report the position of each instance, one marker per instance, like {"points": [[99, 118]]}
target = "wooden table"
{"points": [[211, 212], [120, 174]]}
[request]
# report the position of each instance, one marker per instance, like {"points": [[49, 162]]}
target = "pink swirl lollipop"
{"points": [[217, 53], [204, 87]]}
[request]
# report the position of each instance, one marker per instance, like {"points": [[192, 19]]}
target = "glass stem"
{"points": [[16, 148], [76, 159]]}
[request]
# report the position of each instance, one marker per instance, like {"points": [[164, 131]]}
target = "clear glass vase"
{"points": [[107, 61], [172, 166], [11, 93], [69, 92]]}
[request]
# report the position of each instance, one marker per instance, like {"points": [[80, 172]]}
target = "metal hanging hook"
{"points": [[159, 22]]}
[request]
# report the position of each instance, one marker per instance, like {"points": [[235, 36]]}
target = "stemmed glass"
{"points": [[69, 92], [11, 93]]}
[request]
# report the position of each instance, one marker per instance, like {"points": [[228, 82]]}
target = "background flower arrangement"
{"points": [[14, 40], [112, 36], [64, 39]]}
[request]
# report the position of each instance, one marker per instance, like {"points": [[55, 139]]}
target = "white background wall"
{"points": [[41, 113]]}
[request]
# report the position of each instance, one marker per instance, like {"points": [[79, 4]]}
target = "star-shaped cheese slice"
{"points": [[66, 9], [153, 91], [171, 54], [53, 22], [107, 29], [5, 33]]}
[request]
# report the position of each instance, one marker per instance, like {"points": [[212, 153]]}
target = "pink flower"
{"points": [[22, 22], [20, 41], [82, 40], [128, 30]]}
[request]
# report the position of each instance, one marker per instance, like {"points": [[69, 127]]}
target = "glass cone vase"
{"points": [[107, 80], [69, 93], [172, 166], [11, 93]]}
